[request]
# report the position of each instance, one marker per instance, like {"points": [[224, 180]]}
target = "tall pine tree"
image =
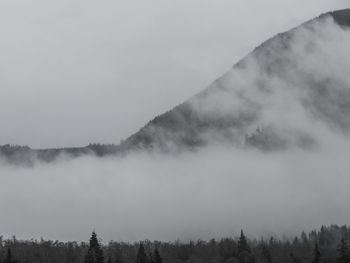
{"points": [[8, 258], [265, 254], [157, 257], [141, 255], [243, 244], [244, 251], [317, 254], [95, 252], [343, 253]]}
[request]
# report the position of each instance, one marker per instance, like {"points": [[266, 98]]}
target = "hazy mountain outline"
{"points": [[184, 127]]}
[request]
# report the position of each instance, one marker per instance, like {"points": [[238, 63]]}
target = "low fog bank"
{"points": [[216, 191], [209, 194]]}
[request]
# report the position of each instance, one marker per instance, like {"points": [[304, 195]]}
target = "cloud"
{"points": [[209, 193], [212, 193], [70, 68], [295, 84]]}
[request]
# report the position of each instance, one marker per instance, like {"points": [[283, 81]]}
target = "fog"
{"points": [[295, 86], [218, 190], [205, 195], [69, 68]]}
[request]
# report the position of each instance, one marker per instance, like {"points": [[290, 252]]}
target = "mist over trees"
{"points": [[267, 80], [329, 244]]}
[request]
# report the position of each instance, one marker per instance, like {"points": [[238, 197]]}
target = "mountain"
{"points": [[274, 98], [27, 156], [244, 106]]}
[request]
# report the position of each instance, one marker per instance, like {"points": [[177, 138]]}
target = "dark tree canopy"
{"points": [[243, 244], [330, 249], [265, 255], [244, 251], [317, 257], [343, 253], [157, 257], [141, 255], [8, 258], [95, 252]]}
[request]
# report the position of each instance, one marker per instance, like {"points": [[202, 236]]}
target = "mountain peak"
{"points": [[341, 17], [280, 77]]}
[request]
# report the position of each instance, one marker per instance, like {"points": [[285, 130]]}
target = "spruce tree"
{"points": [[157, 257], [8, 258], [304, 238], [265, 254], [343, 256], [317, 254], [294, 258], [150, 257], [89, 258], [243, 244], [141, 255], [95, 252], [119, 257], [244, 252]]}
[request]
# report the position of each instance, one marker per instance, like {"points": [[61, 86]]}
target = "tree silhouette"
{"points": [[8, 258], [150, 257], [317, 254], [265, 254], [343, 256], [119, 257], [243, 244], [95, 252], [157, 257], [244, 251], [141, 255], [294, 258]]}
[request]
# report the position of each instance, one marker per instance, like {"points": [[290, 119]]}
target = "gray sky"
{"points": [[75, 72], [80, 71]]}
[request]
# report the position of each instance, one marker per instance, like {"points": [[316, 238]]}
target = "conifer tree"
{"points": [[294, 258], [150, 258], [317, 254], [141, 255], [8, 258], [119, 258], [95, 252], [304, 238], [157, 257], [244, 252], [265, 254], [343, 256], [89, 258], [243, 244]]}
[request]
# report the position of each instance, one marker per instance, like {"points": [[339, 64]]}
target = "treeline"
{"points": [[328, 245], [24, 155]]}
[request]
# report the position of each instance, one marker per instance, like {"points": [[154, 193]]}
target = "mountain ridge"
{"points": [[175, 115], [189, 124]]}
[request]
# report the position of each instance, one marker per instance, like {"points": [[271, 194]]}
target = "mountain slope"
{"points": [[278, 71], [274, 98]]}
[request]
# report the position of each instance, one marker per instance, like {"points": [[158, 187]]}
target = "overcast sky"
{"points": [[79, 71]]}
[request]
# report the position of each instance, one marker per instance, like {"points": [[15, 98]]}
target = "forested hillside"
{"points": [[329, 244]]}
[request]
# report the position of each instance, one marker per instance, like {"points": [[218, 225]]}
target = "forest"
{"points": [[328, 244]]}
